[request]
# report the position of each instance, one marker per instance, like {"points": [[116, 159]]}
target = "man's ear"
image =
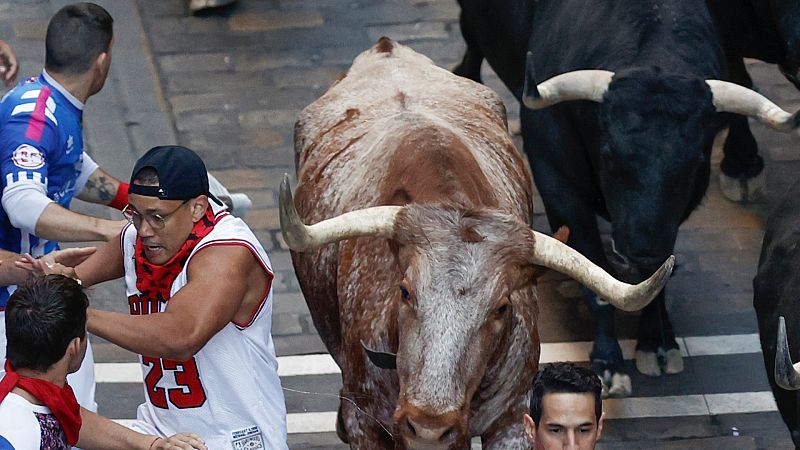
{"points": [[199, 206], [74, 347], [530, 428]]}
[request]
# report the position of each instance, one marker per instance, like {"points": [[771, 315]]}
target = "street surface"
{"points": [[230, 85]]}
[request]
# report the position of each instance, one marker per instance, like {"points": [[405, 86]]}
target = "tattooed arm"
{"points": [[100, 188]]}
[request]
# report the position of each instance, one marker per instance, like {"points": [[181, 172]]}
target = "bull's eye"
{"points": [[502, 309], [404, 293]]}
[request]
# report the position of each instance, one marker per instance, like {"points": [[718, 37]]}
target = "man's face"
{"points": [[161, 244], [568, 423]]}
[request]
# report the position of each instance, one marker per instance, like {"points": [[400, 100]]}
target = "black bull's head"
{"points": [[653, 150]]}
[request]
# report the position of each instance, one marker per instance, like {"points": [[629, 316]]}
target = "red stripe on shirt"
{"points": [[36, 122]]}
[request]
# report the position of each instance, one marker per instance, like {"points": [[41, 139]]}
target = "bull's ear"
{"points": [[382, 360]]}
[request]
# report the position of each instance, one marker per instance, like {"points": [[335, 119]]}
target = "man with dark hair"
{"points": [[199, 289], [46, 330], [566, 408], [42, 160]]}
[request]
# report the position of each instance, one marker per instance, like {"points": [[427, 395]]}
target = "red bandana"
{"points": [[155, 281], [61, 401]]}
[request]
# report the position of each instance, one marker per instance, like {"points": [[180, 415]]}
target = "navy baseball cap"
{"points": [[181, 174]]}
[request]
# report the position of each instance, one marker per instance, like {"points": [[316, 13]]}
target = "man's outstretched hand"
{"points": [[185, 441]]}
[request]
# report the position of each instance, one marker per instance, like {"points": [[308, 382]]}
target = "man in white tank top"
{"points": [[199, 289]]}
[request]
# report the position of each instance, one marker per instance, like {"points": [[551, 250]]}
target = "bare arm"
{"points": [[8, 63], [99, 188], [60, 224], [9, 272], [100, 433], [218, 283], [106, 264]]}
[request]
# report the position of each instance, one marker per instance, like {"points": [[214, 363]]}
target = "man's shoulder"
{"points": [[18, 424]]}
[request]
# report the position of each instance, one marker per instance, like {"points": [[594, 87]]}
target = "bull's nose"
{"points": [[422, 430], [438, 434]]}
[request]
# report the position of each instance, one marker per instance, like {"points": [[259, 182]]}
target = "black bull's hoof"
{"points": [[662, 361], [615, 384], [743, 190]]}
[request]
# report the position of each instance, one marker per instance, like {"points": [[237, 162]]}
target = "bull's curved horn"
{"points": [[732, 98], [786, 373], [375, 221], [576, 85], [556, 255]]}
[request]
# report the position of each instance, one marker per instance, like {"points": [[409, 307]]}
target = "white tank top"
{"points": [[229, 393]]}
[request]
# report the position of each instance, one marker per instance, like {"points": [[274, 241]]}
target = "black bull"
{"points": [[768, 30], [776, 291], [637, 154]]}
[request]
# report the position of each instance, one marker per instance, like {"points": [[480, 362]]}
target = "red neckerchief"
{"points": [[61, 401], [155, 281]]}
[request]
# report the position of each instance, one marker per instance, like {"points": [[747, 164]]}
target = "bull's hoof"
{"points": [[197, 6], [673, 361], [664, 361], [616, 384], [743, 190], [647, 363]]}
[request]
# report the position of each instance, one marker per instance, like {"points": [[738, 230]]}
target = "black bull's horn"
{"points": [[786, 373], [593, 84]]}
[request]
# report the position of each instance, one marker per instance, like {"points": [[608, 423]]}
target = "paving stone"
{"points": [[662, 428], [317, 441], [320, 393], [264, 219], [302, 344], [204, 62], [315, 77], [409, 31], [119, 399], [290, 303], [241, 179], [286, 324], [715, 443], [204, 121], [31, 29], [273, 118], [275, 21]]}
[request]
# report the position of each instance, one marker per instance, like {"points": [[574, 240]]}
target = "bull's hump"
{"points": [[390, 79]]}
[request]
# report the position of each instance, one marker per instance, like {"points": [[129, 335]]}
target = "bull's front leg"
{"points": [[362, 428], [657, 350], [562, 178], [470, 66], [742, 176]]}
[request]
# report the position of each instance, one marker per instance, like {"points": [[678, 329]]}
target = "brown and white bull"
{"points": [[418, 162]]}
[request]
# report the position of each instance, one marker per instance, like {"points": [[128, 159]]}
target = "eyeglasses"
{"points": [[156, 221]]}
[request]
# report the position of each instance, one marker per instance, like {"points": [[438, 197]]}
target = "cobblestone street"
{"points": [[229, 85]]}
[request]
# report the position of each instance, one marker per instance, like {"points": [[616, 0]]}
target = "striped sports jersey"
{"points": [[41, 145]]}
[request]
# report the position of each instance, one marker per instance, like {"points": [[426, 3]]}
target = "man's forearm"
{"points": [[100, 188], [152, 334], [9, 272], [100, 433], [60, 224]]}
